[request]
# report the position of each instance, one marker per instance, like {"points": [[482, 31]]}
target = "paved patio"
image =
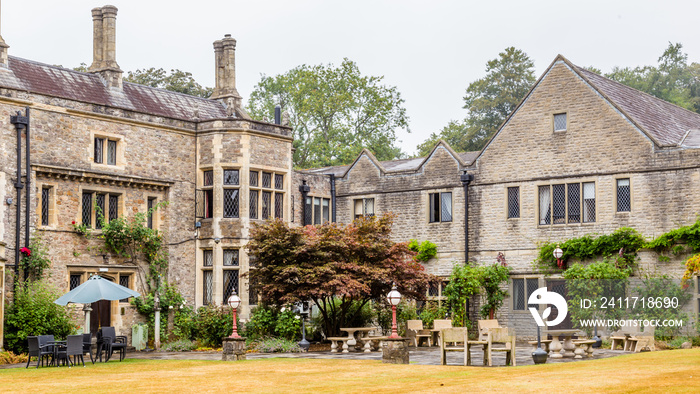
{"points": [[420, 356]]}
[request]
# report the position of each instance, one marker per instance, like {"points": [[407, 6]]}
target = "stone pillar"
{"points": [[233, 349], [109, 36], [225, 58], [395, 351], [104, 46]]}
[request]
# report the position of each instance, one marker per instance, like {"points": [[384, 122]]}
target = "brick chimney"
{"points": [[225, 89], [104, 47], [3, 52]]}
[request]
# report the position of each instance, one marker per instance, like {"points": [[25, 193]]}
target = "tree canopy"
{"points": [[335, 112], [673, 79], [489, 101], [176, 81], [334, 266]]}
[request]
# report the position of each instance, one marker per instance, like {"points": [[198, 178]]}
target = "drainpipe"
{"points": [[304, 189], [20, 122], [466, 180], [27, 181], [332, 176]]}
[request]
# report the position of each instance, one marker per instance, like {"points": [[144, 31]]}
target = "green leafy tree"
{"points": [[465, 281], [334, 112], [489, 101], [339, 268], [669, 300], [176, 81], [34, 312], [673, 79], [494, 276]]}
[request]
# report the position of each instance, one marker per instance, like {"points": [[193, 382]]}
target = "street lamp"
{"points": [[558, 253], [394, 297], [234, 301]]}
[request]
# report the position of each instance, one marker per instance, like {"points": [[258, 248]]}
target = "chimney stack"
{"points": [[3, 52], [225, 89], [104, 46]]}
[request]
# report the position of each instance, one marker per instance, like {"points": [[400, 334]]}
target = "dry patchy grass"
{"points": [[667, 371]]}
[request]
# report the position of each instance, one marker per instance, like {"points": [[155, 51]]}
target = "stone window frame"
{"points": [[323, 218], [567, 218], [106, 192], [225, 268], [509, 214], [270, 190], [616, 180], [554, 126], [526, 291], [204, 270], [52, 208], [440, 297], [153, 221], [429, 205], [364, 207], [120, 160]]}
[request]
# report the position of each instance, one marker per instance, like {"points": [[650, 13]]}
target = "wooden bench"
{"points": [[336, 341], [585, 346], [545, 344]]}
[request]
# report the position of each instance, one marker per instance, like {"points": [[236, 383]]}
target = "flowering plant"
{"points": [[81, 229], [26, 251]]}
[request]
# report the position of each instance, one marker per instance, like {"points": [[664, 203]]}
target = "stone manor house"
{"points": [[581, 154]]}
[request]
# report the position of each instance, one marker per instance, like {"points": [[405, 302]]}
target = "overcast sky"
{"points": [[429, 50]]}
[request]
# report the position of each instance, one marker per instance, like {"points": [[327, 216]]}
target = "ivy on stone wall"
{"points": [[426, 250]]}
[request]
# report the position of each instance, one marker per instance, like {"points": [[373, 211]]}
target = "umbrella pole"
{"points": [[86, 327]]}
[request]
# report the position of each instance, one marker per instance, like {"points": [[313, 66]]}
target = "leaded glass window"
{"points": [[87, 209], [99, 146], [230, 283], [113, 206], [279, 205], [111, 152], [208, 260], [560, 122], [513, 202], [45, 195], [325, 208], [574, 202], [545, 205], [230, 203], [589, 202], [266, 201], [208, 178], [253, 204], [124, 281], [559, 204], [151, 204], [532, 285], [74, 281], [266, 179], [207, 287], [99, 210], [518, 294], [231, 257], [253, 181], [231, 177], [308, 211], [279, 181], [623, 195]]}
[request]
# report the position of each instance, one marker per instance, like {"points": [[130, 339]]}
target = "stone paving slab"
{"points": [[419, 356]]}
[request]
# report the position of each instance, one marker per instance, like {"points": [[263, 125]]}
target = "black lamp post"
{"points": [[304, 312], [539, 356]]}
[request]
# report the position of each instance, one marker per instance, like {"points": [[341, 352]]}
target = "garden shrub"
{"points": [[184, 323], [431, 311], [269, 321], [212, 324], [181, 345], [426, 250], [663, 287], [274, 345], [11, 358], [34, 312], [35, 258]]}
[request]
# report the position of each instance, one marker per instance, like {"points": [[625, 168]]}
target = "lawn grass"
{"points": [[663, 371]]}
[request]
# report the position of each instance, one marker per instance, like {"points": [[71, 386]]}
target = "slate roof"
{"points": [[664, 122], [59, 82], [392, 165]]}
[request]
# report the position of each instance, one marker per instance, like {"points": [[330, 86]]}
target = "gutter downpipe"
{"points": [[27, 181], [20, 122], [332, 176], [466, 180], [304, 189]]}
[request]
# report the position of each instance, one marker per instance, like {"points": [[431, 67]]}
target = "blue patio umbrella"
{"points": [[95, 289]]}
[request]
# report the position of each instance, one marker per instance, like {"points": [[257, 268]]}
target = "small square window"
{"points": [[440, 207], [560, 122], [231, 177], [208, 178]]}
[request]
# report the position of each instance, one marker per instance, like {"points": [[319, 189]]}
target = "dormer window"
{"points": [[560, 122]]}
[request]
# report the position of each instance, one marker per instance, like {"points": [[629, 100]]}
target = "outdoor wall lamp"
{"points": [[394, 297], [217, 240]]}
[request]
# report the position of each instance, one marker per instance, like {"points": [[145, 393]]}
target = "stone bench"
{"points": [[545, 343], [372, 343], [585, 346], [337, 341]]}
